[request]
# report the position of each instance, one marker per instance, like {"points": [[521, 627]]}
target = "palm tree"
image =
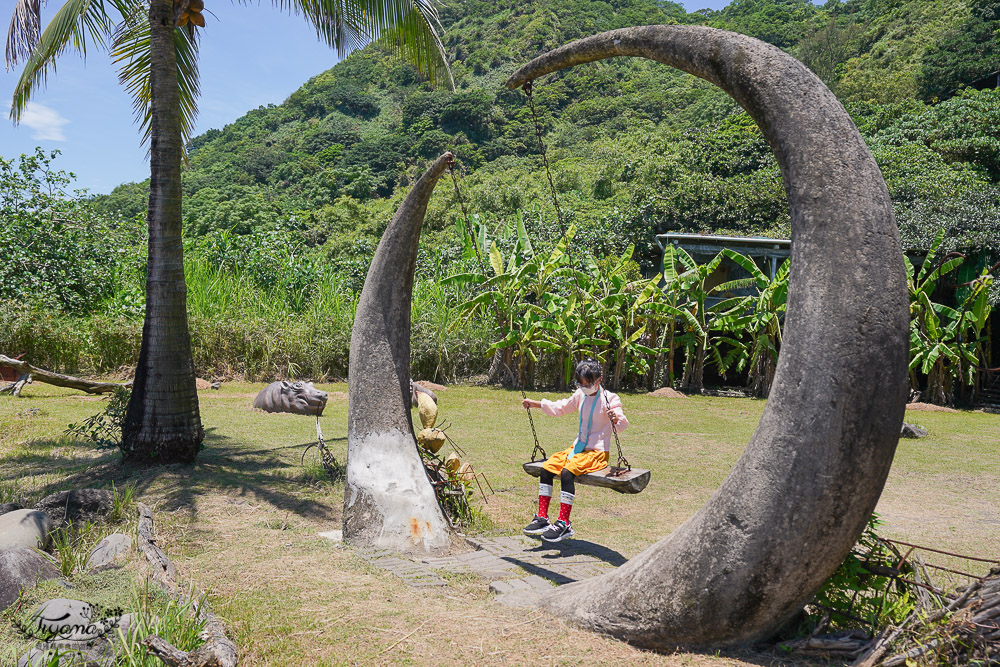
{"points": [[158, 65]]}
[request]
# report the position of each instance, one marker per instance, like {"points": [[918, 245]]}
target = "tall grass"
{"points": [[242, 330]]}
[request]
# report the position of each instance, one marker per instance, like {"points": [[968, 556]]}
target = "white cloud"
{"points": [[46, 123]]}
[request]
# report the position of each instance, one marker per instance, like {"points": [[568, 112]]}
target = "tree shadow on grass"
{"points": [[271, 475]]}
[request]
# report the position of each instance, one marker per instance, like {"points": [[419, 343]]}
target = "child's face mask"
{"points": [[591, 390]]}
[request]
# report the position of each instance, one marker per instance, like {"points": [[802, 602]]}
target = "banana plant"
{"points": [[564, 333], [935, 350], [976, 312], [760, 317], [513, 286], [696, 336], [625, 324], [664, 308], [947, 344]]}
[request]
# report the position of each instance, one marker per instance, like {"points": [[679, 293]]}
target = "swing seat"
{"points": [[629, 481]]}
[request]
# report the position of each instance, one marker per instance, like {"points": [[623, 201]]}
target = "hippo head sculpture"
{"points": [[299, 398]]}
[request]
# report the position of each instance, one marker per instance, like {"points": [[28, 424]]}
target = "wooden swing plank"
{"points": [[632, 481]]}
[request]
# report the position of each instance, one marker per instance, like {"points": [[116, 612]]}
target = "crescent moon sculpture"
{"points": [[388, 499], [799, 496]]}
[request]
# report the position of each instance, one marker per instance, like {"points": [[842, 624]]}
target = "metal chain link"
{"points": [[545, 159], [622, 465], [496, 309]]}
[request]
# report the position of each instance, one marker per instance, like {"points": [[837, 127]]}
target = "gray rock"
{"points": [[20, 569], [110, 548], [912, 431], [125, 623], [96, 653], [77, 505], [9, 507], [24, 528], [69, 620]]}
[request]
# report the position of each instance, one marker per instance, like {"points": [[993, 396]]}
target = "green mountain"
{"points": [[636, 148]]}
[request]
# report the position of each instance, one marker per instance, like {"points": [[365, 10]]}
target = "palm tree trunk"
{"points": [[163, 424]]}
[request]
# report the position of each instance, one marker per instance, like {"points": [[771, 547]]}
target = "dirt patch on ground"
{"points": [[433, 386], [202, 384], [87, 398], [928, 407], [667, 392]]}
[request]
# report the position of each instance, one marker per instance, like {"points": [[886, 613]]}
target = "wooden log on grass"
{"points": [[15, 387], [218, 650], [58, 379]]}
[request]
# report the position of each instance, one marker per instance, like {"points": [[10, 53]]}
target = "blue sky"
{"points": [[250, 55]]}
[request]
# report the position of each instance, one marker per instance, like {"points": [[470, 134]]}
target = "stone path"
{"points": [[518, 569]]}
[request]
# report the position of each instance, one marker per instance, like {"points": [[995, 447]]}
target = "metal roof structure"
{"points": [[758, 248]]}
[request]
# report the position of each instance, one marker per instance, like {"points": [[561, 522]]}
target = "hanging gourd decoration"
{"points": [[431, 439], [428, 410], [466, 473]]}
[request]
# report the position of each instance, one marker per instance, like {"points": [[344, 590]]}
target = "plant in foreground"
{"points": [[105, 428]]}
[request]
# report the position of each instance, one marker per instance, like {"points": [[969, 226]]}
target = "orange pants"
{"points": [[582, 463]]}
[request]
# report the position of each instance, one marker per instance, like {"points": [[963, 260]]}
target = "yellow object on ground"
{"points": [[580, 464]]}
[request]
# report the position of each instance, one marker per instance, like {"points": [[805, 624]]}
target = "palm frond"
{"points": [[408, 28], [130, 52], [418, 41], [25, 30], [75, 24]]}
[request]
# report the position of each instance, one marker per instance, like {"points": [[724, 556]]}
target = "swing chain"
{"points": [[534, 434], [545, 160], [465, 214], [482, 268], [622, 465]]}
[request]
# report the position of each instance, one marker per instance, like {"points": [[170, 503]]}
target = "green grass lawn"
{"points": [[242, 522]]}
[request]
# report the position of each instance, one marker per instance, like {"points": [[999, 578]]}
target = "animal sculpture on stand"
{"points": [[301, 398]]}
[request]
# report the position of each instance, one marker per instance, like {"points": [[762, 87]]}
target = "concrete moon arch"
{"points": [[799, 496]]}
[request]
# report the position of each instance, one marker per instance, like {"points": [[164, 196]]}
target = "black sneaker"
{"points": [[537, 526], [558, 532]]}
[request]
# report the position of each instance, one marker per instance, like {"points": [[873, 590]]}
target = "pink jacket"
{"points": [[600, 436]]}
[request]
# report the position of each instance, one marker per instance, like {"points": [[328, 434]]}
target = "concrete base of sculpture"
{"points": [[387, 492]]}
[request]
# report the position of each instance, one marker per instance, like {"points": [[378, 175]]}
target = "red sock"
{"points": [[543, 506], [566, 506]]}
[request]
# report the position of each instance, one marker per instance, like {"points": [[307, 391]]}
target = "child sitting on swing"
{"points": [[599, 409]]}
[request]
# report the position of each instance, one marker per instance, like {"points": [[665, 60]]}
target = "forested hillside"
{"points": [[283, 208], [637, 148]]}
